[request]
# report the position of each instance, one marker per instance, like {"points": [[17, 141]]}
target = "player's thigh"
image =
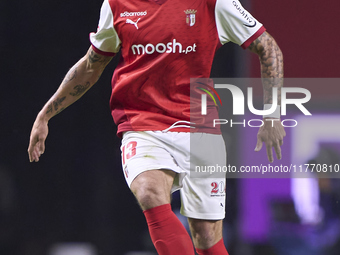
{"points": [[203, 193], [146, 164], [153, 187], [144, 151], [203, 198]]}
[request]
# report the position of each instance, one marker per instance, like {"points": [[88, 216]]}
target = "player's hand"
{"points": [[37, 140], [271, 133]]}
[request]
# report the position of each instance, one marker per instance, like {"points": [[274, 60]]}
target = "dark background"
{"points": [[77, 192]]}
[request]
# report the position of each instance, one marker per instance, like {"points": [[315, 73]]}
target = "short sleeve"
{"points": [[235, 24], [105, 41]]}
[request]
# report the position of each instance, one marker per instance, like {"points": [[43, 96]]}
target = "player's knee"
{"points": [[152, 188], [149, 196]]}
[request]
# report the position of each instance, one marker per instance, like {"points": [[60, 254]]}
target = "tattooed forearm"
{"points": [[77, 81], [80, 89], [57, 112], [271, 65], [54, 106], [57, 103], [49, 109]]}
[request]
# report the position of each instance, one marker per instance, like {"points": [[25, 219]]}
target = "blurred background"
{"points": [[75, 200]]}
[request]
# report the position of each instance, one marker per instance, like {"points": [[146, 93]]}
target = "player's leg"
{"points": [[207, 236], [152, 190], [205, 212], [142, 152], [203, 193]]}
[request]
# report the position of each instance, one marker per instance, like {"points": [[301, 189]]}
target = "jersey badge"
{"points": [[190, 17]]}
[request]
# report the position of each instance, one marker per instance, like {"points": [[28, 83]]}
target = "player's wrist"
{"points": [[42, 117], [275, 115]]}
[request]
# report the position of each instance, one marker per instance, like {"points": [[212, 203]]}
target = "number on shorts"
{"points": [[218, 187], [129, 150], [215, 187]]}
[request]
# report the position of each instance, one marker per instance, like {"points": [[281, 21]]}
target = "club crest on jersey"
{"points": [[190, 17]]}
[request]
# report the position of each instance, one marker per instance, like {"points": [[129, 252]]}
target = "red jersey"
{"points": [[163, 44]]}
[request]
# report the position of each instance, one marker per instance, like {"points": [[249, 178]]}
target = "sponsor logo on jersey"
{"points": [[133, 14], [129, 21], [190, 17], [170, 47], [251, 22]]}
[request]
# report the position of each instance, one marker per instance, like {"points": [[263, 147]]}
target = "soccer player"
{"points": [[163, 44]]}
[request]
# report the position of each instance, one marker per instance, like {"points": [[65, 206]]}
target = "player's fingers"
{"points": [[30, 156], [258, 144], [277, 149], [270, 152], [31, 151], [35, 156], [41, 146], [281, 142]]}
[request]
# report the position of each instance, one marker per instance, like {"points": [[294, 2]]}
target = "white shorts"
{"points": [[202, 192]]}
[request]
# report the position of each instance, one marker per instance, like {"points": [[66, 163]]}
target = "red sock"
{"points": [[167, 233], [217, 249]]}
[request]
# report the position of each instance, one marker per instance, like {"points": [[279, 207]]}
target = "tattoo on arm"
{"points": [[80, 89], [55, 106], [94, 58], [93, 62], [63, 108], [57, 103], [271, 65], [49, 109]]}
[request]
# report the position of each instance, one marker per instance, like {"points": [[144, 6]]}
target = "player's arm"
{"points": [[79, 79], [271, 60]]}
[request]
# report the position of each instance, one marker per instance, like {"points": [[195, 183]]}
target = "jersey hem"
{"points": [[259, 32], [216, 131]]}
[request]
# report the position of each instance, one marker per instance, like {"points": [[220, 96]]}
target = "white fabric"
{"points": [[202, 196], [234, 23], [106, 38]]}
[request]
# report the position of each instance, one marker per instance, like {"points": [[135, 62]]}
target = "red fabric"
{"points": [[167, 233], [259, 32], [109, 54], [217, 249], [151, 84]]}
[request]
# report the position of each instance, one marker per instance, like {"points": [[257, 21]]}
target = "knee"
{"points": [[149, 194], [152, 188], [148, 197]]}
